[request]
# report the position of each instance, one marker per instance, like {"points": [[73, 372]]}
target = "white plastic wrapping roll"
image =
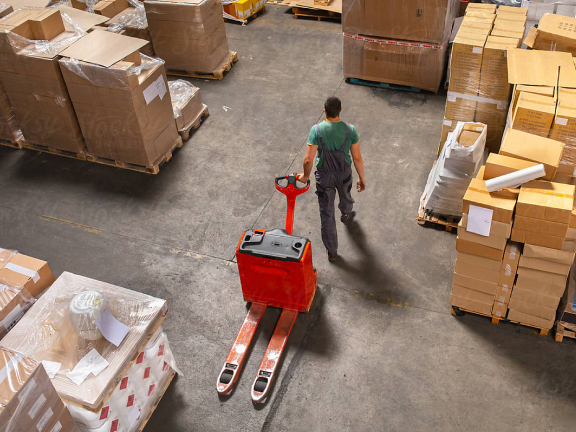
{"points": [[85, 308], [515, 179]]}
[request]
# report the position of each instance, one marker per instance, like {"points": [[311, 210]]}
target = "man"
{"points": [[334, 140]]}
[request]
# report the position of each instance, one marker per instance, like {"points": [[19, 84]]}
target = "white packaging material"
{"points": [[456, 166], [516, 178]]}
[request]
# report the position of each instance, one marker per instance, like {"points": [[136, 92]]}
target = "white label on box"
{"points": [[502, 299], [498, 313], [30, 385], [513, 250], [57, 427], [447, 122], [112, 329], [44, 420], [51, 367], [157, 88], [133, 414], [451, 98], [479, 220], [161, 85], [13, 317], [37, 405], [91, 363], [23, 270], [505, 288], [477, 50], [501, 105], [508, 271], [561, 121]]}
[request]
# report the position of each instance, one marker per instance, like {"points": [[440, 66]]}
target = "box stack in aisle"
{"points": [[186, 104], [22, 280], [241, 10], [479, 89], [189, 35], [28, 400], [401, 42], [110, 380]]}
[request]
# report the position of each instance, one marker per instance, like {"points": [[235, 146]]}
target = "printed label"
{"points": [[502, 298], [147, 372], [165, 366], [25, 392], [508, 270], [477, 50], [124, 383], [130, 401], [498, 313], [447, 122], [104, 413], [114, 426], [151, 389], [505, 287], [561, 121], [57, 427], [140, 358], [44, 420], [37, 405]]}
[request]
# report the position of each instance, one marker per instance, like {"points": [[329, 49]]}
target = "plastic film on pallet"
{"points": [[89, 331], [186, 102], [460, 159]]}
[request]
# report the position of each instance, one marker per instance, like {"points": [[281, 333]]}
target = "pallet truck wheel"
{"points": [[260, 384], [226, 377], [457, 311]]}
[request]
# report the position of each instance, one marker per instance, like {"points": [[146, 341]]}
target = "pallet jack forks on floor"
{"points": [[275, 270]]}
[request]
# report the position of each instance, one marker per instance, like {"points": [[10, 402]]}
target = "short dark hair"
{"points": [[333, 106]]}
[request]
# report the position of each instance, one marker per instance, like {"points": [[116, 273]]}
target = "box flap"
{"points": [[103, 48], [84, 20], [18, 4], [541, 68]]}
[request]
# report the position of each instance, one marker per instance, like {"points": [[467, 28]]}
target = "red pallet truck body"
{"points": [[275, 270]]}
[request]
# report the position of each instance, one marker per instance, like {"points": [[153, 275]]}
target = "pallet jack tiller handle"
{"points": [[291, 190]]}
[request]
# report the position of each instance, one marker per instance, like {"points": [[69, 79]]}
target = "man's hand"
{"points": [[302, 178], [361, 185]]}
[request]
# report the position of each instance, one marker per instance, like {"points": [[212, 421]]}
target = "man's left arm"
{"points": [[308, 163]]}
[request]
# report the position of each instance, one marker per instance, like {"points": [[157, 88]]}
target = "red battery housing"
{"points": [[276, 269]]}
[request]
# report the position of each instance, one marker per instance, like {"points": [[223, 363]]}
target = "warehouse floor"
{"points": [[379, 350]]}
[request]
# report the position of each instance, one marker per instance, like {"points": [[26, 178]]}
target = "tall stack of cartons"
{"points": [[401, 42], [122, 101], [9, 130], [189, 35], [486, 264], [32, 79], [479, 89]]}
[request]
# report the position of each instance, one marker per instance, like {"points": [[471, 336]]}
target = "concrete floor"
{"points": [[379, 350]]}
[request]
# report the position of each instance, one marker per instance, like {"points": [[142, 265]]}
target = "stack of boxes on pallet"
{"points": [[401, 42], [241, 10], [479, 89], [188, 35], [9, 130], [109, 360]]}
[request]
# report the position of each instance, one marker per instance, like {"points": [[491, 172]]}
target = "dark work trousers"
{"points": [[335, 175]]}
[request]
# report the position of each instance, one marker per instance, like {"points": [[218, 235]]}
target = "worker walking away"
{"points": [[332, 141]]}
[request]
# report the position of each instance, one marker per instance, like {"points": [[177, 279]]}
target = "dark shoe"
{"points": [[347, 217], [332, 257]]}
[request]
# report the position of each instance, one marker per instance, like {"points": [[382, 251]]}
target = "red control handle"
{"points": [[291, 190]]}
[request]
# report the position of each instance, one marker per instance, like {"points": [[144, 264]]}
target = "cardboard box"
{"points": [[494, 74], [546, 201], [5, 9], [480, 14], [475, 284], [497, 229], [511, 256], [528, 280], [32, 274], [471, 305], [533, 148], [554, 229], [499, 309], [493, 114], [470, 294], [459, 107], [498, 165], [569, 246], [543, 300], [531, 308], [466, 62], [110, 8], [502, 205], [546, 266], [493, 240], [538, 239], [420, 66], [490, 8], [473, 248], [188, 111], [567, 309], [484, 263], [467, 269], [564, 130], [554, 33], [534, 114], [410, 20], [546, 254], [512, 9], [524, 318], [503, 294]]}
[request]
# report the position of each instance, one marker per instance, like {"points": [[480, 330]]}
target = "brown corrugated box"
{"points": [[498, 165], [540, 226], [554, 33], [466, 62], [472, 300], [535, 238], [534, 114], [542, 282], [411, 20], [8, 126], [32, 274], [476, 272], [485, 263], [503, 294], [531, 308], [501, 204], [475, 284], [494, 75], [191, 110], [497, 229], [499, 309], [533, 148], [546, 254], [472, 248], [493, 240], [490, 8], [546, 200], [517, 316], [543, 265], [544, 300]]}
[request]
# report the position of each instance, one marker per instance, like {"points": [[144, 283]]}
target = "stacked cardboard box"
{"points": [[242, 9], [186, 103], [486, 264], [542, 275], [28, 400], [188, 35], [375, 35], [479, 89], [554, 33], [9, 129], [108, 386], [32, 78], [122, 102]]}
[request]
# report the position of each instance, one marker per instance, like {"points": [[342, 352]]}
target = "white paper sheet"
{"points": [[51, 367], [479, 220], [133, 414], [112, 329], [91, 363]]}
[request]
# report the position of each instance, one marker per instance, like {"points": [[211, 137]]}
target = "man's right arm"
{"points": [[359, 165]]}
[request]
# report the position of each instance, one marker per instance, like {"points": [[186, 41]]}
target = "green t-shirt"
{"points": [[333, 135]]}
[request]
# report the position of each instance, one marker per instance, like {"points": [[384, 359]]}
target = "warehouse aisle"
{"points": [[379, 350]]}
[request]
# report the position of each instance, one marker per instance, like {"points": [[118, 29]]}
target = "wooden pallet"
{"points": [[246, 20], [14, 144], [218, 74], [458, 311], [195, 124], [164, 388], [46, 149], [448, 222], [562, 332], [543, 331], [318, 14], [322, 2], [153, 169], [377, 84]]}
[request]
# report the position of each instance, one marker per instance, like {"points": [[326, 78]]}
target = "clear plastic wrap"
{"points": [[134, 17], [89, 369], [538, 8], [186, 102], [5, 255], [14, 302], [460, 159]]}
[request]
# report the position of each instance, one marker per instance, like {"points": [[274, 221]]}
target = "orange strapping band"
{"points": [[549, 193]]}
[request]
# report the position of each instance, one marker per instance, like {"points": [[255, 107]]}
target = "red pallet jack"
{"points": [[275, 270]]}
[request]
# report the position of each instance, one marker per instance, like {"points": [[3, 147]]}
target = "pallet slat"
{"points": [[218, 74], [543, 331], [14, 144], [195, 124], [562, 332], [449, 222], [319, 14], [458, 311]]}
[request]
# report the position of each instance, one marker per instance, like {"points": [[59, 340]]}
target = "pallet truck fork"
{"points": [[275, 270]]}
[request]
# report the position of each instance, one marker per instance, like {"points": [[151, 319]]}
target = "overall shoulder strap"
{"points": [[320, 139], [348, 132]]}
